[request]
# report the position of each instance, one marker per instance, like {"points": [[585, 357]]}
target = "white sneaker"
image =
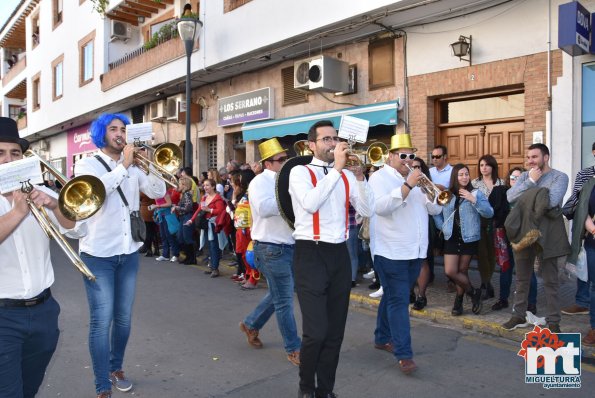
{"points": [[369, 275], [161, 258], [174, 259], [377, 293]]}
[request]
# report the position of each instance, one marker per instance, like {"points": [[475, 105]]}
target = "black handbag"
{"points": [[569, 208], [138, 228]]}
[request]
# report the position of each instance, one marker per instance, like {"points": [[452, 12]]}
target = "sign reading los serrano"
{"points": [[246, 107]]}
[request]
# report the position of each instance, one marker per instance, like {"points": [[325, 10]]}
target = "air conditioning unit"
{"points": [[176, 110], [321, 73], [120, 30], [157, 111]]}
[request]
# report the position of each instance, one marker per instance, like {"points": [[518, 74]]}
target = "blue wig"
{"points": [[99, 127]]}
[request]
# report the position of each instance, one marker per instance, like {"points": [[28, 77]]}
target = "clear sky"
{"points": [[6, 9]]}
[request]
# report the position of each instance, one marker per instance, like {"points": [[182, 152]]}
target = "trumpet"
{"points": [[431, 190], [167, 160], [301, 148], [80, 198]]}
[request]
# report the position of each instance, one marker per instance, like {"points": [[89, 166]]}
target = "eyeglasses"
{"points": [[404, 156], [280, 160], [416, 167], [513, 178], [437, 156], [328, 139]]}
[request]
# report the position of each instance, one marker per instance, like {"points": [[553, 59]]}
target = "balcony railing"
{"points": [[165, 34], [15, 70], [22, 123]]}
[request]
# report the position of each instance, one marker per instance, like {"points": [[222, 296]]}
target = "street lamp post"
{"points": [[189, 28]]}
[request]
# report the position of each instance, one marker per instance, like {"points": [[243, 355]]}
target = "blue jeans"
{"points": [[591, 267], [168, 241], [185, 231], [582, 297], [275, 263], [506, 282], [392, 322], [214, 250], [352, 248], [110, 299], [28, 339]]}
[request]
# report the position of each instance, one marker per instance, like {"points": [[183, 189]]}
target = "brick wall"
{"points": [[154, 58], [528, 72]]}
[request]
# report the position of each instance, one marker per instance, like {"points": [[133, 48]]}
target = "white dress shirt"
{"points": [[441, 177], [399, 228], [328, 197], [109, 228], [25, 263], [267, 223]]}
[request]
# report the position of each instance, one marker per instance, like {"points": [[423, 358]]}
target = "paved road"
{"points": [[186, 343]]}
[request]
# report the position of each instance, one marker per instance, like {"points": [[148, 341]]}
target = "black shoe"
{"points": [[490, 290], [487, 291], [329, 395], [420, 303], [374, 286], [411, 296], [142, 249], [302, 394], [476, 303], [532, 308], [500, 304], [457, 308], [353, 284], [149, 253], [554, 327]]}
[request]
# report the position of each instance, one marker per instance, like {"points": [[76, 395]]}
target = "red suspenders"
{"points": [[316, 216]]}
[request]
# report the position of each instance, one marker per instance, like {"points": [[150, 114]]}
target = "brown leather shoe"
{"points": [[575, 309], [105, 394], [294, 358], [385, 347], [252, 335], [589, 339], [407, 366]]}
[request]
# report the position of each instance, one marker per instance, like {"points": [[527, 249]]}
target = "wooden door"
{"points": [[504, 141]]}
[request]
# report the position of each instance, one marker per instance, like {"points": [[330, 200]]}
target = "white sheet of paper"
{"points": [[14, 173], [141, 131], [353, 128]]}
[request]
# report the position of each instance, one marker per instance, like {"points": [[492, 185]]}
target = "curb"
{"points": [[472, 323]]}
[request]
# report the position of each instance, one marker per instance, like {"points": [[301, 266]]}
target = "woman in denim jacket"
{"points": [[460, 223]]}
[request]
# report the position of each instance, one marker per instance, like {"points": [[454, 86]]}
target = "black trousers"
{"points": [[323, 284]]}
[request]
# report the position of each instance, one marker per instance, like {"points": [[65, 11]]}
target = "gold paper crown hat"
{"points": [[401, 141], [270, 148]]}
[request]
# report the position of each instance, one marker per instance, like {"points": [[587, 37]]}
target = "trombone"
{"points": [[301, 148], [80, 198], [167, 160]]}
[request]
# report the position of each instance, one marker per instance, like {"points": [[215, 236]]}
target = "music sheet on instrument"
{"points": [[354, 129], [140, 131], [13, 174]]}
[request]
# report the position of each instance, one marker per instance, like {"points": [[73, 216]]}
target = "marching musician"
{"points": [[110, 250], [273, 255], [28, 312], [399, 244], [321, 193]]}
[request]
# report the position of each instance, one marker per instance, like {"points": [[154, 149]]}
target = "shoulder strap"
{"points": [[316, 215], [346, 182], [109, 170]]}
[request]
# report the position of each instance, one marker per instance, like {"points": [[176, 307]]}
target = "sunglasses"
{"points": [[437, 156], [280, 160], [513, 178], [404, 156]]}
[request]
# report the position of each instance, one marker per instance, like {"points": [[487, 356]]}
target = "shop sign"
{"points": [[574, 29], [246, 107], [78, 141]]}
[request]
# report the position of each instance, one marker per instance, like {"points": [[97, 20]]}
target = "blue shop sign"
{"points": [[574, 28], [246, 107]]}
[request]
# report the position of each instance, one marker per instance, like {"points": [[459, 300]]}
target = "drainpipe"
{"points": [[548, 113]]}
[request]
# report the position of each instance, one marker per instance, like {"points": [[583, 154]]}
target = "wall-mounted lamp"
{"points": [[462, 47], [140, 19]]}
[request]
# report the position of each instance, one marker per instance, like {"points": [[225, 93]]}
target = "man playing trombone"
{"points": [[110, 250], [28, 312]]}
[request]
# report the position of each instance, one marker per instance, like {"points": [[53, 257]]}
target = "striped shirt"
{"points": [[581, 177]]}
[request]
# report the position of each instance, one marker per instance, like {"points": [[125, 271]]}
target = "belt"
{"points": [[275, 244], [46, 294]]}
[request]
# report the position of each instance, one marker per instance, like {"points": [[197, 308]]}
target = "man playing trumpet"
{"points": [[110, 250], [399, 243], [28, 312]]}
